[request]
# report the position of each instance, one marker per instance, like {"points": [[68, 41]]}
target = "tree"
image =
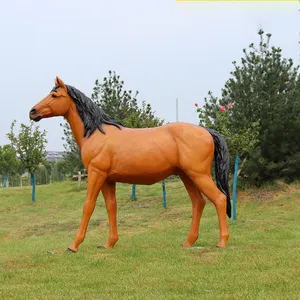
{"points": [[73, 155], [29, 145], [8, 162], [42, 174], [60, 170], [117, 102], [264, 92], [121, 104], [240, 142]]}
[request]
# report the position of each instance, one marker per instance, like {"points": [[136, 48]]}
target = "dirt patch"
{"points": [[206, 256], [269, 193], [41, 230], [175, 213]]}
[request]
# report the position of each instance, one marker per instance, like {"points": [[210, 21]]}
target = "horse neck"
{"points": [[76, 124]]}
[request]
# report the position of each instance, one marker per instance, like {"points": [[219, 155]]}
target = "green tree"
{"points": [[8, 162], [29, 145], [42, 174], [121, 104], [72, 157], [264, 91], [60, 169], [240, 142], [111, 96]]}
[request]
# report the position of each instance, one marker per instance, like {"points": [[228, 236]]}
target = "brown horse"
{"points": [[112, 153]]}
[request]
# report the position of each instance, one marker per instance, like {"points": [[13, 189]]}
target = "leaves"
{"points": [[29, 144], [8, 160], [264, 91], [121, 104], [72, 157]]}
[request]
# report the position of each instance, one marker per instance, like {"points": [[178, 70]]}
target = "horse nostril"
{"points": [[33, 111]]}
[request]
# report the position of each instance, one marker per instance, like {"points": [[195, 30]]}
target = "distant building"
{"points": [[53, 156]]}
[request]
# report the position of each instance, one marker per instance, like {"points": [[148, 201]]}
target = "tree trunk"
{"points": [[33, 182], [133, 193], [4, 180], [241, 166], [79, 179]]}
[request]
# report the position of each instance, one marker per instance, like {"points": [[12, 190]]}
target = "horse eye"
{"points": [[54, 96]]}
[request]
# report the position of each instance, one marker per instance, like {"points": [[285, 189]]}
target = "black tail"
{"points": [[221, 166]]}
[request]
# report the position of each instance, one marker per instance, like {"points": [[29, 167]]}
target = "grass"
{"points": [[262, 260]]}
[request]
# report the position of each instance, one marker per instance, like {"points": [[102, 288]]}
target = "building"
{"points": [[53, 156]]}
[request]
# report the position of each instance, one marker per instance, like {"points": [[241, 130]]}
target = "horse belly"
{"points": [[142, 178]]}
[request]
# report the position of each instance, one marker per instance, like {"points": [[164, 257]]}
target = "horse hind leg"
{"points": [[207, 186], [198, 204]]}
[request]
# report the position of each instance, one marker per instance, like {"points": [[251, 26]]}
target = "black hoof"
{"points": [[70, 251], [101, 247], [219, 247]]}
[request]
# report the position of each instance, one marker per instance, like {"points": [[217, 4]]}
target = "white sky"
{"points": [[162, 48]]}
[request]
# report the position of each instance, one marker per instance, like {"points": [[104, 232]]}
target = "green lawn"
{"points": [[262, 260]]}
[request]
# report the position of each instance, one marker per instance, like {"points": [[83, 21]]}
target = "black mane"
{"points": [[91, 115]]}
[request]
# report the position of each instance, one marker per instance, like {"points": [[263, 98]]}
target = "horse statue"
{"points": [[113, 153]]}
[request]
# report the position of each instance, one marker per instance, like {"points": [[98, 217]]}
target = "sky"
{"points": [[162, 48]]}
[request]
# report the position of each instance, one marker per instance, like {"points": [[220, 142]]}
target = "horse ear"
{"points": [[59, 82]]}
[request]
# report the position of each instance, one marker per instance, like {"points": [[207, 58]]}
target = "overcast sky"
{"points": [[162, 48]]}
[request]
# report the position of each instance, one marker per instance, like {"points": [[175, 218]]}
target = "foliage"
{"points": [[73, 155], [111, 96], [8, 160], [14, 180], [29, 145], [42, 175], [240, 142], [47, 165], [121, 104], [60, 169], [263, 123]]}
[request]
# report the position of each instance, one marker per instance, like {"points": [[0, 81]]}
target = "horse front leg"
{"points": [[109, 194], [96, 178]]}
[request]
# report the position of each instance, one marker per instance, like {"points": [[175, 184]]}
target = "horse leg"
{"points": [[209, 189], [109, 194], [198, 204], [96, 179]]}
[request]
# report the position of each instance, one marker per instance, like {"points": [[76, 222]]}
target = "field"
{"points": [[262, 260]]}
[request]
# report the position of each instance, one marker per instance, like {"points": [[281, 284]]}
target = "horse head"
{"points": [[56, 103]]}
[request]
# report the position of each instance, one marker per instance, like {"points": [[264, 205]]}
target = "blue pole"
{"points": [[236, 168], [33, 187], [133, 194], [4, 180], [164, 194]]}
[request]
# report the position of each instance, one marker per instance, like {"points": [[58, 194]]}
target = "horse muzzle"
{"points": [[34, 116]]}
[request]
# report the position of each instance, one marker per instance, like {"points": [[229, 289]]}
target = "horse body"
{"points": [[167, 150], [112, 153]]}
